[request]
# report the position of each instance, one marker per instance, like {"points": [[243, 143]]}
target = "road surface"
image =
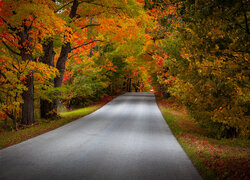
{"points": [[126, 139]]}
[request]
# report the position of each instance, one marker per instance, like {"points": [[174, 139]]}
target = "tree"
{"points": [[217, 54], [81, 17], [210, 61], [23, 26], [204, 54]]}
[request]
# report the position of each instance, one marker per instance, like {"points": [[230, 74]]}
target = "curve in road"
{"points": [[125, 139]]}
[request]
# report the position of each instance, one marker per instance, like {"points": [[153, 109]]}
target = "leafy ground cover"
{"points": [[8, 138], [215, 159]]}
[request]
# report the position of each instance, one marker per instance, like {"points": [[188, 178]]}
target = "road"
{"points": [[125, 139]]}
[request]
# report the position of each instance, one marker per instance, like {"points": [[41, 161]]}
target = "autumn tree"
{"points": [[23, 26], [201, 53], [82, 17], [209, 55], [216, 49]]}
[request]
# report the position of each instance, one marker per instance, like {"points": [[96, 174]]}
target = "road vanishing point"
{"points": [[127, 139]]}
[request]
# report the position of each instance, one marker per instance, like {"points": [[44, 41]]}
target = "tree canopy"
{"points": [[72, 51]]}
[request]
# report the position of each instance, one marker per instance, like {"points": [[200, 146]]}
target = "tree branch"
{"points": [[85, 44], [89, 25], [2, 74], [245, 16], [9, 48], [30, 26], [13, 29], [72, 55]]}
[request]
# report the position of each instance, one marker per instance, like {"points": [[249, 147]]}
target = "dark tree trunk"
{"points": [[129, 85], [28, 101], [15, 116], [28, 95], [60, 65], [65, 50], [48, 110], [14, 121], [124, 86], [134, 85]]}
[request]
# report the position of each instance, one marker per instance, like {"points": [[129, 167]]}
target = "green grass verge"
{"points": [[215, 159], [78, 112], [8, 138]]}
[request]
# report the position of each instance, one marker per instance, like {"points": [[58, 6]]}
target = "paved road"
{"points": [[126, 139]]}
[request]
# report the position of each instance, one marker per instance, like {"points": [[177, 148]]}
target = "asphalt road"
{"points": [[126, 139]]}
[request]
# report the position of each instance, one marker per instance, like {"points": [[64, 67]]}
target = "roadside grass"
{"points": [[8, 138], [214, 159]]}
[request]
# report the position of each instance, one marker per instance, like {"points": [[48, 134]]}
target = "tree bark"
{"points": [[28, 95], [48, 109], [124, 85], [136, 86], [65, 50], [14, 116], [60, 65], [28, 101], [14, 121], [129, 85]]}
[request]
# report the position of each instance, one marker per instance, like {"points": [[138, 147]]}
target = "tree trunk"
{"points": [[15, 116], [48, 110], [124, 86], [138, 86], [129, 90], [51, 107], [65, 50], [28, 101], [14, 121], [28, 95], [129, 85], [60, 65], [136, 89]]}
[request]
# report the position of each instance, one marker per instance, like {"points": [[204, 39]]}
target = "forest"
{"points": [[63, 59], [73, 52]]}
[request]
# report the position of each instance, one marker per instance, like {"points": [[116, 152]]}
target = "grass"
{"points": [[8, 138], [78, 112], [215, 159]]}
